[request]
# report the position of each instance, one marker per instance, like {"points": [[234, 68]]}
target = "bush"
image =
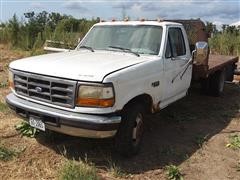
{"points": [[226, 42], [31, 33]]}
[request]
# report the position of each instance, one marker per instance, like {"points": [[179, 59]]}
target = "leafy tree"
{"points": [[211, 28]]}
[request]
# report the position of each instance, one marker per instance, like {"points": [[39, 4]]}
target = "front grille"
{"points": [[43, 88]]}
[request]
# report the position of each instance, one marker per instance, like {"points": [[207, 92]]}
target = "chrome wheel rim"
{"points": [[138, 129]]}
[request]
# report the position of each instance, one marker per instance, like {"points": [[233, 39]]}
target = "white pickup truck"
{"points": [[118, 73]]}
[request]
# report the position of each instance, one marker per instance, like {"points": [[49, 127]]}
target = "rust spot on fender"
{"points": [[156, 107]]}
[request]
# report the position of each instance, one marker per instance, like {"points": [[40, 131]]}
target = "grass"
{"points": [[200, 139], [234, 142], [115, 170], [7, 154], [4, 84], [78, 170], [3, 107], [173, 173], [26, 130]]}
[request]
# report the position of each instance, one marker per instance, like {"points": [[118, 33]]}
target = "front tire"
{"points": [[130, 132]]}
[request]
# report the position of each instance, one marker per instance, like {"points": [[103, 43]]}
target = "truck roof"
{"points": [[153, 23]]}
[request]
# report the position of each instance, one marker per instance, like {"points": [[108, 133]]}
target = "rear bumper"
{"points": [[71, 123]]}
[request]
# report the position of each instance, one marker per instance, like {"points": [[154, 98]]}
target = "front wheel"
{"points": [[130, 132]]}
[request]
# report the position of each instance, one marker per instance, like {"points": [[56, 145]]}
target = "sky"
{"points": [[216, 11]]}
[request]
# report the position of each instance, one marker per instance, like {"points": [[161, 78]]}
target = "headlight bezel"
{"points": [[109, 101]]}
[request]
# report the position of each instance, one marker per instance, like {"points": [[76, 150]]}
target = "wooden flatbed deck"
{"points": [[216, 62]]}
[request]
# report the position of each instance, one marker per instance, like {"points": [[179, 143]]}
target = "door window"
{"points": [[175, 43]]}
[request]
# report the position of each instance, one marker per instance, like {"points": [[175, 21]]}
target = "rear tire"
{"points": [[130, 132], [217, 83], [214, 84], [229, 72]]}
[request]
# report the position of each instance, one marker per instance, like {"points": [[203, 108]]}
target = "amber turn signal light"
{"points": [[89, 102]]}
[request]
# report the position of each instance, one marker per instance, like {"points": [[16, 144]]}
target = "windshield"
{"points": [[141, 39]]}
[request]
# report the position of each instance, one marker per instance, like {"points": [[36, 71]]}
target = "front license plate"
{"points": [[37, 123]]}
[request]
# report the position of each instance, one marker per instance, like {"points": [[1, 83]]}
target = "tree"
{"points": [[211, 28]]}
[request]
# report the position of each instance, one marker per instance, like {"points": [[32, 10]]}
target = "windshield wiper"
{"points": [[87, 47], [125, 50]]}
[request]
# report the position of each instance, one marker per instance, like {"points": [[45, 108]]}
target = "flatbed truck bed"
{"points": [[217, 62]]}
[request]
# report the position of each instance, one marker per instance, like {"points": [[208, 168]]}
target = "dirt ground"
{"points": [[172, 136]]}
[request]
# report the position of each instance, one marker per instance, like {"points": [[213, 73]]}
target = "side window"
{"points": [[168, 53], [176, 42]]}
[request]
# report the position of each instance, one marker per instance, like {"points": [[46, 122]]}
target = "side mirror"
{"points": [[79, 40], [201, 53]]}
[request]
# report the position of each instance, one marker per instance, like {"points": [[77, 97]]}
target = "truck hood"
{"points": [[78, 65]]}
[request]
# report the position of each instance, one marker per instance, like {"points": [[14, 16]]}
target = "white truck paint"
{"points": [[162, 80]]}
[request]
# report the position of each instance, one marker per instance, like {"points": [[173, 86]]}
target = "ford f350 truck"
{"points": [[119, 72]]}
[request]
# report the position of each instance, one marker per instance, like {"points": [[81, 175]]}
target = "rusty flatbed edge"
{"points": [[217, 62]]}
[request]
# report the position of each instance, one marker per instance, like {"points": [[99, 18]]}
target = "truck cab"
{"points": [[118, 73]]}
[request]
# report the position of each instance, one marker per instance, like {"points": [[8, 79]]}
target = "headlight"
{"points": [[95, 96], [10, 79]]}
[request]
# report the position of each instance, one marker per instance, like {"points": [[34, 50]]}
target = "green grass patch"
{"points": [[234, 142], [173, 173], [72, 170], [3, 107], [7, 154], [26, 130], [3, 84]]}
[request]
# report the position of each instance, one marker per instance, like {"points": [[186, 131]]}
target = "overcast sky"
{"points": [[216, 11]]}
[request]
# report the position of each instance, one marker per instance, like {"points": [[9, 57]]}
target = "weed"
{"points": [[116, 170], [4, 84], [6, 154], [200, 139], [78, 170], [26, 130], [234, 142], [173, 173]]}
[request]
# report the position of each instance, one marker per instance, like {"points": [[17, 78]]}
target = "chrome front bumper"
{"points": [[71, 123]]}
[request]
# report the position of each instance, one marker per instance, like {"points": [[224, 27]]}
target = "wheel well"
{"points": [[144, 99]]}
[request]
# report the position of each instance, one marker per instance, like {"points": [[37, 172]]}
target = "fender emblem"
{"points": [[155, 84]]}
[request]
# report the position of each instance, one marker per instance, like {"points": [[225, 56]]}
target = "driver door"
{"points": [[177, 71]]}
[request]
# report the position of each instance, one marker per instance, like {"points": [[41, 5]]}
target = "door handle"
{"points": [[184, 69]]}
